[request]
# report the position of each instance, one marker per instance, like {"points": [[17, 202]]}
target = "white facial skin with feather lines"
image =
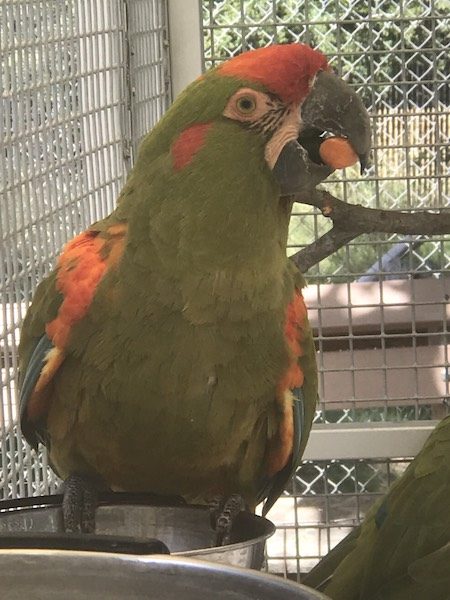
{"points": [[258, 110]]}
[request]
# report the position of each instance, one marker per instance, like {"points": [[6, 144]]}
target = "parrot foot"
{"points": [[223, 513], [79, 504]]}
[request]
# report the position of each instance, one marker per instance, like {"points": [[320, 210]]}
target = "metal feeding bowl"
{"points": [[134, 524], [61, 575]]}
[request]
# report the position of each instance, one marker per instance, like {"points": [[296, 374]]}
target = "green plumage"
{"points": [[169, 381], [402, 549]]}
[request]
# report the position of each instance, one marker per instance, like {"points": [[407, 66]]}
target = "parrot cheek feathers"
{"points": [[286, 133]]}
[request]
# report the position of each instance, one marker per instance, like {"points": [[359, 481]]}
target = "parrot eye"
{"points": [[246, 104]]}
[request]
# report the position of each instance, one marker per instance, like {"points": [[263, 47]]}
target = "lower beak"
{"points": [[296, 172]]}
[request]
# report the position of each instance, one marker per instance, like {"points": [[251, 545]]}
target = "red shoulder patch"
{"points": [[280, 447], [80, 268], [81, 265], [187, 144], [296, 314]]}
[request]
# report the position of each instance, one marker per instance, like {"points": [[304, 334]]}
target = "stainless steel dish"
{"points": [[185, 530], [68, 575]]}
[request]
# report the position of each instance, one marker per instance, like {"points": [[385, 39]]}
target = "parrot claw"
{"points": [[79, 504], [223, 514]]}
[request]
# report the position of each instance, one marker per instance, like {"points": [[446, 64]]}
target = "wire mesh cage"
{"points": [[379, 306], [324, 503], [81, 84]]}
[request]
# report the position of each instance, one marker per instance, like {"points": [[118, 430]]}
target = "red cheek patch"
{"points": [[187, 144]]}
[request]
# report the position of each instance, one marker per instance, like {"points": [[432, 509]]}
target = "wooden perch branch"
{"points": [[351, 220]]}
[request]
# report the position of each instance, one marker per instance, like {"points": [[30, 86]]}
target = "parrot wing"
{"points": [[427, 577], [386, 556], [275, 486], [298, 393], [61, 300], [321, 575]]}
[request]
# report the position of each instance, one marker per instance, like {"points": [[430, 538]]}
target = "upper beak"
{"points": [[331, 108]]}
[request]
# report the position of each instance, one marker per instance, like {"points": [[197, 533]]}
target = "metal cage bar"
{"points": [[81, 83], [395, 56], [379, 306]]}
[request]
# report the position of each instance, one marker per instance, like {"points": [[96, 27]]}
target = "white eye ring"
{"points": [[247, 105]]}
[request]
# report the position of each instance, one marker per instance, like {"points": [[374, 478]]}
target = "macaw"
{"points": [[401, 551], [169, 351]]}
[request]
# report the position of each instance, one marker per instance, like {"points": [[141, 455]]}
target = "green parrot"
{"points": [[402, 549], [169, 351]]}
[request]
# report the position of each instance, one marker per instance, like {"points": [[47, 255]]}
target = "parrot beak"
{"points": [[331, 109]]}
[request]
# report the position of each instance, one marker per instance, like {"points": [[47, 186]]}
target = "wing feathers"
{"points": [[81, 266], [284, 449]]}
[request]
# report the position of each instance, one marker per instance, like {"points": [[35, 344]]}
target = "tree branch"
{"points": [[351, 220], [324, 246]]}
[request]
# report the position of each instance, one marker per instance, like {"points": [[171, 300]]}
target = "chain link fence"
{"points": [[379, 306], [324, 502], [396, 56]]}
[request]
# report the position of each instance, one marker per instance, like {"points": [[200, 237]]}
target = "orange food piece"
{"points": [[337, 153]]}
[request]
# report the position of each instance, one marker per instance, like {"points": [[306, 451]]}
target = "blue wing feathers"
{"points": [[28, 382]]}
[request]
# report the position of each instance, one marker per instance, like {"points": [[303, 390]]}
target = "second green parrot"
{"points": [[402, 549]]}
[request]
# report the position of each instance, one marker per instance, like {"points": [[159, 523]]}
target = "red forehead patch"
{"points": [[285, 70]]}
